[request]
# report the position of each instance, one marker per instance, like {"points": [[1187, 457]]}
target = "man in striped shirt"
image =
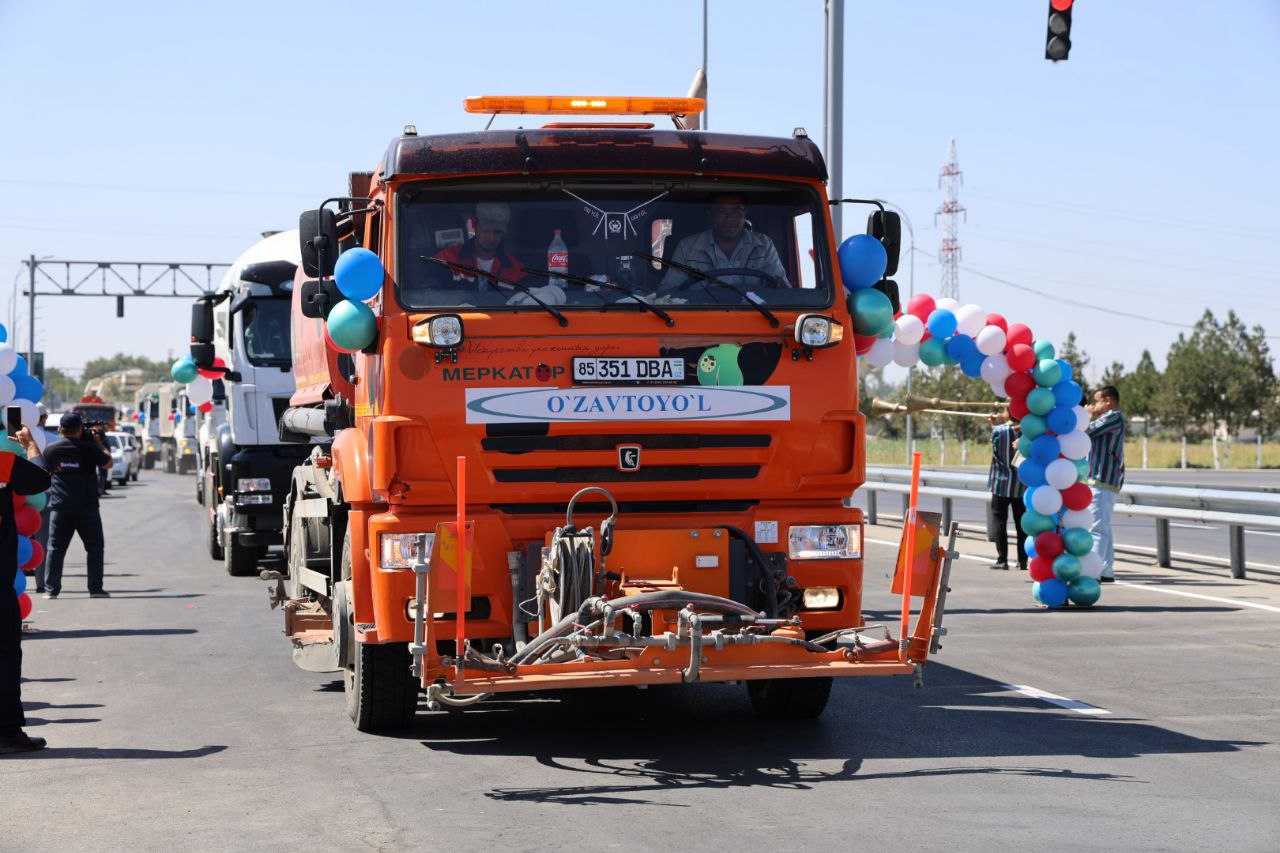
{"points": [[1006, 491], [1106, 471]]}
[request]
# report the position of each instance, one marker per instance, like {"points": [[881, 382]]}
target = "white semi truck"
{"points": [[246, 469]]}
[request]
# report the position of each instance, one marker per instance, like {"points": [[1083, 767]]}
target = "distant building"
{"points": [[118, 386]]}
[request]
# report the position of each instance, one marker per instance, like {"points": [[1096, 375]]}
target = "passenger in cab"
{"points": [[484, 250], [728, 244]]}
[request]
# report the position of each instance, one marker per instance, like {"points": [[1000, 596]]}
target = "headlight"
{"points": [[822, 598], [824, 542], [404, 550], [817, 331], [253, 484], [252, 500], [442, 331]]}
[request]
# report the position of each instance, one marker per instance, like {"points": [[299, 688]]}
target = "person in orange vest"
{"points": [[18, 476]]}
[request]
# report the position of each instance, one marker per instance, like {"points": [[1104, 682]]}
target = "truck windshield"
{"points": [[754, 243], [266, 332]]}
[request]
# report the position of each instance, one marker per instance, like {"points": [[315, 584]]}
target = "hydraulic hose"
{"points": [[766, 574]]}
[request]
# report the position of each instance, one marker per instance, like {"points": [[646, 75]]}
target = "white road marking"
{"points": [[1261, 532], [1055, 699], [1234, 601], [1194, 526]]}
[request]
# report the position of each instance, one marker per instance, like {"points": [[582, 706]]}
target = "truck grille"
{"points": [[649, 474], [608, 441]]}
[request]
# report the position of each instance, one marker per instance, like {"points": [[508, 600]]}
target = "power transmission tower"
{"points": [[949, 180]]}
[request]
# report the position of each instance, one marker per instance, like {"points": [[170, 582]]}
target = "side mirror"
{"points": [[318, 239], [202, 322], [889, 288], [202, 355], [317, 298], [886, 226]]}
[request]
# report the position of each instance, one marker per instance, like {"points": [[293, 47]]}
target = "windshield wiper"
{"points": [[495, 277], [590, 282], [710, 279]]}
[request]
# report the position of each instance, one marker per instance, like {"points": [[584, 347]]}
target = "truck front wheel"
{"points": [[789, 698], [241, 559], [212, 542]]}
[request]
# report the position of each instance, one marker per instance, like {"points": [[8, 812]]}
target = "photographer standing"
{"points": [[73, 463]]}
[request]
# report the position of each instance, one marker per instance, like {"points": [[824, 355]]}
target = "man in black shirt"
{"points": [[17, 477], [73, 463]]}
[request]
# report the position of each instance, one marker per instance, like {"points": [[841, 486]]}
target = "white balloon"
{"points": [[199, 391], [30, 414], [1074, 445], [1091, 565], [905, 355], [995, 370], [1077, 518], [1082, 417], [1061, 473], [946, 303], [970, 319], [991, 340], [997, 388], [8, 358], [7, 390], [1046, 500], [881, 353], [910, 330]]}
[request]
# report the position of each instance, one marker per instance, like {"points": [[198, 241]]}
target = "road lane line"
{"points": [[1055, 699], [1194, 526]]}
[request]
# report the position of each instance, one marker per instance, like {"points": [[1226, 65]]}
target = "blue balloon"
{"points": [[863, 260], [1051, 592], [971, 365], [1031, 474], [359, 274], [1067, 393], [25, 550], [352, 325], [1045, 449], [19, 367], [1062, 420], [1029, 545], [1026, 500], [20, 582], [4, 333], [27, 388], [942, 323], [1067, 373], [960, 347]]}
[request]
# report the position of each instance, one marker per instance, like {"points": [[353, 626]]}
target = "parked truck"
{"points": [[242, 329], [583, 447], [175, 429], [147, 402]]}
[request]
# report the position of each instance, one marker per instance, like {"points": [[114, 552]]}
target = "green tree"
{"points": [[60, 388], [152, 371], [1071, 352]]}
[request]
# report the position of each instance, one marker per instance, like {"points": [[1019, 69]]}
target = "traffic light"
{"points": [[1058, 40]]}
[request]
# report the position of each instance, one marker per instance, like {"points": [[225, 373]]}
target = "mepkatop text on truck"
{"points": [[566, 432], [240, 339]]}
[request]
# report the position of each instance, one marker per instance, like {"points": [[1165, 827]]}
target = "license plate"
{"points": [[635, 371]]}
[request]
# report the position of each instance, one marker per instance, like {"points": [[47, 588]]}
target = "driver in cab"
{"points": [[728, 244]]}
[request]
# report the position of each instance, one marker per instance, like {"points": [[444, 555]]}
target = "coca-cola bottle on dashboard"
{"points": [[558, 256]]}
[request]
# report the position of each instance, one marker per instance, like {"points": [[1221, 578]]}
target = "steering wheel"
{"points": [[721, 272]]}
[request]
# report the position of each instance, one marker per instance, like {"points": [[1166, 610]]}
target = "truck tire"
{"points": [[382, 694], [241, 560], [134, 475], [789, 698], [170, 464], [149, 461], [211, 539], [296, 555]]}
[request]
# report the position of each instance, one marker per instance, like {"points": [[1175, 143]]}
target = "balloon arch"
{"points": [[1042, 395]]}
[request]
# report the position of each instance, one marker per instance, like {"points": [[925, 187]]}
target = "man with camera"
{"points": [[73, 463]]}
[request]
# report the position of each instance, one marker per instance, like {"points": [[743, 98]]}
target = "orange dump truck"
{"points": [[601, 430]]}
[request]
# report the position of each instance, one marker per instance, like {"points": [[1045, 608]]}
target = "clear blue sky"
{"points": [[1141, 175]]}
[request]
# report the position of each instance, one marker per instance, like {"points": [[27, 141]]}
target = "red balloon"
{"points": [[37, 555], [24, 606], [997, 320], [1019, 333], [921, 305], [27, 519], [328, 340], [862, 343], [1077, 496], [206, 406], [1019, 385], [1018, 408], [209, 373], [1049, 545], [19, 500], [1021, 357], [1040, 568]]}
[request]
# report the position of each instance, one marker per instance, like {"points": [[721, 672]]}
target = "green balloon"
{"points": [[1084, 591], [1043, 349], [1040, 401], [932, 352], [1077, 540], [8, 445], [183, 370], [1082, 468], [1024, 446], [1034, 426], [718, 365], [872, 311], [1035, 522], [1046, 374], [1067, 567], [37, 501]]}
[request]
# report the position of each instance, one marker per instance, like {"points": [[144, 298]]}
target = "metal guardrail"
{"points": [[1235, 509]]}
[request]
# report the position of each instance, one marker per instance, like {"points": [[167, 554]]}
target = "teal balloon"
{"points": [[8, 445], [1082, 468], [1043, 349], [933, 352], [888, 331], [1035, 522], [1040, 402], [352, 325], [38, 501], [863, 260], [1078, 540], [1052, 593], [1034, 426], [872, 311], [1084, 591], [1047, 373], [1066, 567], [359, 274], [183, 370], [1024, 446]]}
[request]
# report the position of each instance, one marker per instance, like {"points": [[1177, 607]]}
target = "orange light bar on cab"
{"points": [[565, 105]]}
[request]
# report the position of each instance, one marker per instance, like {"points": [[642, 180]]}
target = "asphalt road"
{"points": [[177, 720]]}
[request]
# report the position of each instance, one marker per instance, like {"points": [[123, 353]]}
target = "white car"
{"points": [[135, 455], [121, 457]]}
